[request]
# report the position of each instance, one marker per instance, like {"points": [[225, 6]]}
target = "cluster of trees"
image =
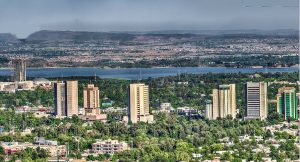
{"points": [[39, 96], [265, 60], [27, 155], [255, 60], [171, 138]]}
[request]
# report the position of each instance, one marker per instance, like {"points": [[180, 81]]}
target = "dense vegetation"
{"points": [[245, 60], [170, 138]]}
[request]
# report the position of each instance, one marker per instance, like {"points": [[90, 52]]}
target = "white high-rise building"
{"points": [[256, 100]]}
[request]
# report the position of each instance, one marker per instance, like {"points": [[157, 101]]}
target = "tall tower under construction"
{"points": [[19, 65]]}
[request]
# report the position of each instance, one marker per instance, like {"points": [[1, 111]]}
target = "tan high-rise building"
{"points": [[91, 98], [91, 104], [19, 65], [256, 100], [138, 106], [66, 98], [224, 102]]}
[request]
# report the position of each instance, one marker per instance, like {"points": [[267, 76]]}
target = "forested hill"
{"points": [[8, 38], [46, 35]]}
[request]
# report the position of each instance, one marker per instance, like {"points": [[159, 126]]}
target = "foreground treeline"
{"points": [[171, 138], [265, 60]]}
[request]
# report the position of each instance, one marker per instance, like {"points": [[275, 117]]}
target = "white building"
{"points": [[166, 106], [109, 146]]}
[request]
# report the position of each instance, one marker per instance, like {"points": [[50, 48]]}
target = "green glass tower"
{"points": [[287, 103]]}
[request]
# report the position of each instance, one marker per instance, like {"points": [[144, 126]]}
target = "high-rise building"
{"points": [[66, 98], [138, 103], [91, 98], [224, 102], [287, 103], [91, 104], [256, 100], [19, 65], [208, 110]]}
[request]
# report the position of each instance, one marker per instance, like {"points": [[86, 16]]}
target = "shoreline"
{"points": [[158, 67]]}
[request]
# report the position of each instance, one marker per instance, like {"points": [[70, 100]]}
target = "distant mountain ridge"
{"points": [[8, 38], [48, 35], [223, 32]]}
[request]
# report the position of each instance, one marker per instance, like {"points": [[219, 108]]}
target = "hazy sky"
{"points": [[22, 17]]}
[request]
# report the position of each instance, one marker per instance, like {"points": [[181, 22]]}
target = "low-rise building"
{"points": [[115, 109], [244, 138], [54, 150], [187, 111], [164, 108], [109, 146], [42, 141]]}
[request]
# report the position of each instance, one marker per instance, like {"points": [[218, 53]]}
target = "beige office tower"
{"points": [[66, 98], [59, 99], [224, 102], [19, 65], [256, 100], [91, 99], [91, 104], [138, 107]]}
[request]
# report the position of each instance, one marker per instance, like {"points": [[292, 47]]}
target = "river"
{"points": [[136, 73]]}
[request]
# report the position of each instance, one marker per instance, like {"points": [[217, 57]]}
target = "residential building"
{"points": [[42, 141], [224, 102], [12, 87], [109, 146], [256, 100], [19, 65], [164, 108], [66, 98], [186, 111], [138, 103], [13, 147], [287, 103]]}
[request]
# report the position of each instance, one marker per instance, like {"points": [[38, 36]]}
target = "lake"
{"points": [[135, 73]]}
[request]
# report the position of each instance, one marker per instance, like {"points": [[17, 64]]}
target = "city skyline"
{"points": [[141, 80]]}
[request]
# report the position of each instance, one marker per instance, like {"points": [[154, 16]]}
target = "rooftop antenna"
{"points": [[95, 77], [12, 69], [140, 76]]}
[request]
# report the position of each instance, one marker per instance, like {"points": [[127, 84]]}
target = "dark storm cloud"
{"points": [[23, 17]]}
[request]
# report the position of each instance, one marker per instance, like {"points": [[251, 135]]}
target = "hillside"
{"points": [[8, 38], [46, 35]]}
